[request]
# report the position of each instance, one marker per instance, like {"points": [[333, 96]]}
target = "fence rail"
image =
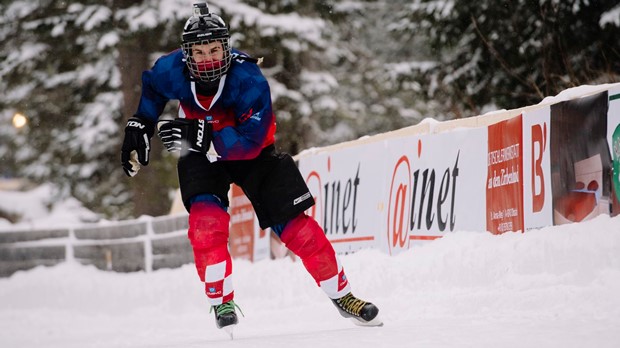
{"points": [[139, 245]]}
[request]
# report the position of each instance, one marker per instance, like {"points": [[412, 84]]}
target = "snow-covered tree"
{"points": [[507, 54], [338, 70], [73, 67]]}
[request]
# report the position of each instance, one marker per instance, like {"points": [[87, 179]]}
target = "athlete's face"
{"points": [[208, 52]]}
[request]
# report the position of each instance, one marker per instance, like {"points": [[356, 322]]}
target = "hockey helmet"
{"points": [[211, 59]]}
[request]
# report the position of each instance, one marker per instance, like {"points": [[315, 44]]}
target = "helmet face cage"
{"points": [[208, 71]]}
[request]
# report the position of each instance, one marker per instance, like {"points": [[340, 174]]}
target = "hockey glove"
{"points": [[185, 135], [136, 145]]}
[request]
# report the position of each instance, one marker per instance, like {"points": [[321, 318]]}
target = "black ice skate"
{"points": [[225, 316], [361, 312]]}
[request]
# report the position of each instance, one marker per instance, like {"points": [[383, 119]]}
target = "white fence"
{"points": [[137, 245]]}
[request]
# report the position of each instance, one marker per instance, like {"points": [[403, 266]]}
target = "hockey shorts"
{"points": [[271, 181]]}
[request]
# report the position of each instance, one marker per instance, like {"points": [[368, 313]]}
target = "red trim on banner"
{"points": [[355, 239], [424, 237]]}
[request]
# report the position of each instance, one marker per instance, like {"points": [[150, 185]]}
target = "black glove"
{"points": [[136, 145], [185, 135]]}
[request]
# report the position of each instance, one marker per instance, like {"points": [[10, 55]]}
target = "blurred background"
{"points": [[70, 75]]}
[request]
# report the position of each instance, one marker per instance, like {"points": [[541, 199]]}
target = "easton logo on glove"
{"points": [[200, 132], [185, 135], [136, 144], [137, 124]]}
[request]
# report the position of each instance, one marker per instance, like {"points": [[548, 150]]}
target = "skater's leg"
{"points": [[304, 237], [208, 234], [204, 189]]}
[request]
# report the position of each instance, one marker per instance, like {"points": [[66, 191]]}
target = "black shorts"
{"points": [[271, 181]]}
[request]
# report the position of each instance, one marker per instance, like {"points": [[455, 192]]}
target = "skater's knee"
{"points": [[303, 236], [208, 225]]}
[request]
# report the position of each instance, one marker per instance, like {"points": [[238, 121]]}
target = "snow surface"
{"points": [[553, 287]]}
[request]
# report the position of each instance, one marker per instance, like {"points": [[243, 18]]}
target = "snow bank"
{"points": [[554, 287]]}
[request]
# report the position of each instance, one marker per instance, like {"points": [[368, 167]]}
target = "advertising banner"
{"points": [[580, 159], [435, 185], [348, 187], [537, 196], [247, 240], [241, 224], [504, 193], [613, 138], [551, 164]]}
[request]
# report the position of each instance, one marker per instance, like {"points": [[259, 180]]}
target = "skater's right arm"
{"points": [[140, 128]]}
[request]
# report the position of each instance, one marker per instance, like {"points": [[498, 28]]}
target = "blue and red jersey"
{"points": [[240, 112]]}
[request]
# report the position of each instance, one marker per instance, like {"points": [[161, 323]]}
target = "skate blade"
{"points": [[229, 330], [375, 322]]}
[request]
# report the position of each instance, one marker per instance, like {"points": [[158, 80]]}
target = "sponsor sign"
{"points": [[580, 159], [348, 187], [504, 192], [247, 240], [613, 137], [537, 196], [434, 183], [549, 165]]}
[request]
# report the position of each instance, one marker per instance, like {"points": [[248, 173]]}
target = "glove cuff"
{"points": [[149, 126]]}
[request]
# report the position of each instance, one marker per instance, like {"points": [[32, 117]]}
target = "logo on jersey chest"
{"points": [[211, 119]]}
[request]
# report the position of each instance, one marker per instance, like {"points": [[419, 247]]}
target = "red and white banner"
{"points": [[537, 196], [247, 239], [545, 165], [504, 192]]}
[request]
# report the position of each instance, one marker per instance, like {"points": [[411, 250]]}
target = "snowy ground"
{"points": [[555, 287]]}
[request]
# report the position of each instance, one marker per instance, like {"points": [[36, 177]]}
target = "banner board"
{"points": [[580, 159], [613, 138], [348, 188], [433, 179], [504, 193], [514, 170], [247, 240], [537, 196]]}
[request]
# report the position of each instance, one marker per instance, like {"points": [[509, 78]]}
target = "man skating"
{"points": [[225, 134]]}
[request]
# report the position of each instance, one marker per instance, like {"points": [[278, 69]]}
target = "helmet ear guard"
{"points": [[205, 28]]}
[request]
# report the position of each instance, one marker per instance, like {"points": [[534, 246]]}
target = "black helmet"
{"points": [[210, 30]]}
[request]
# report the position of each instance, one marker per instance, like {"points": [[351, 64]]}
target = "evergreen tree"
{"points": [[60, 67], [73, 67], [509, 54]]}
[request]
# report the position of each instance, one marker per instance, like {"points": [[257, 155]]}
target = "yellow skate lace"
{"points": [[351, 304]]}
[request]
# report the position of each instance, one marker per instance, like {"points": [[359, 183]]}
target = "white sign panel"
{"points": [[436, 184], [347, 185], [537, 195]]}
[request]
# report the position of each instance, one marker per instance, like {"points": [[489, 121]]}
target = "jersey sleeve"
{"points": [[152, 103], [159, 83], [255, 124]]}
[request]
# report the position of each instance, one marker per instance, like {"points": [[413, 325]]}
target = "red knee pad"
{"points": [[208, 234], [304, 237], [208, 225]]}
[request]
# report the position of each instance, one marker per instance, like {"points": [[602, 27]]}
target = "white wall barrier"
{"points": [[553, 163], [506, 171]]}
